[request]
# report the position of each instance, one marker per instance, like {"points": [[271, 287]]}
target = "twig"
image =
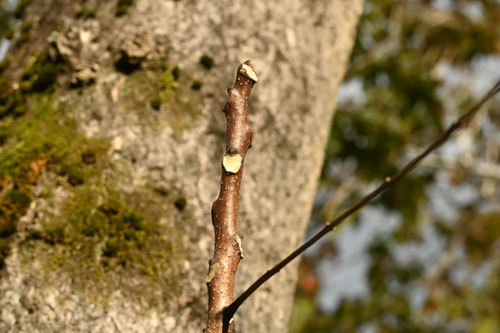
{"points": [[389, 182], [228, 251]]}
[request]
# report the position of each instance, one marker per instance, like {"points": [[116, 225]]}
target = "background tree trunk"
{"points": [[148, 86]]}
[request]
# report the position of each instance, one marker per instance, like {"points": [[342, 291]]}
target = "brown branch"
{"points": [[228, 251], [389, 182]]}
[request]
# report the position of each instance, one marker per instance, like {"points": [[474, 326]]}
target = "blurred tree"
{"points": [[400, 92]]}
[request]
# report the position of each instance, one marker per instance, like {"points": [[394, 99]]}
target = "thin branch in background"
{"points": [[389, 182], [228, 251]]}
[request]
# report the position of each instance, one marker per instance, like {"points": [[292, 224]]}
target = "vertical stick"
{"points": [[228, 251]]}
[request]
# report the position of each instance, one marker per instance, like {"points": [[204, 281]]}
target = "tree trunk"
{"points": [[116, 141]]}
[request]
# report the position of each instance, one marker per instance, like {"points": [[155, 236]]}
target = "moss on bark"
{"points": [[168, 92], [97, 232]]}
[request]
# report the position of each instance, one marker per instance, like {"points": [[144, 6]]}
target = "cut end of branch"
{"points": [[232, 163], [247, 70]]}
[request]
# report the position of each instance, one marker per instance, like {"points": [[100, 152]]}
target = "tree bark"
{"points": [[150, 82]]}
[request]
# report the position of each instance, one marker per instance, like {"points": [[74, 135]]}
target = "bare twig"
{"points": [[389, 182], [228, 251]]}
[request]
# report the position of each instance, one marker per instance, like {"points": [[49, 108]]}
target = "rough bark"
{"points": [[299, 48]]}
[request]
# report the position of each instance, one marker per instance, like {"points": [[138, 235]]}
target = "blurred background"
{"points": [[424, 257]]}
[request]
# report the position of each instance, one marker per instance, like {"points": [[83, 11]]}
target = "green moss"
{"points": [[156, 103], [9, 33], [180, 203], [99, 237], [46, 136], [12, 207], [176, 72], [46, 77], [165, 89], [52, 234], [167, 85], [111, 248], [39, 76], [24, 32], [86, 13], [18, 199], [20, 9], [44, 139], [89, 156], [4, 64], [123, 7], [11, 100], [197, 84], [102, 236], [207, 62], [75, 176], [4, 252], [98, 233]]}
